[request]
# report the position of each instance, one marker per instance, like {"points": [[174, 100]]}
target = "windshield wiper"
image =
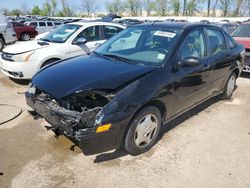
{"points": [[117, 57], [47, 40]]}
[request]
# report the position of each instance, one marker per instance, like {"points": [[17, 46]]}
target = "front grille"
{"points": [[7, 57]]}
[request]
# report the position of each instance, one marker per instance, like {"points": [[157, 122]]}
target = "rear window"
{"points": [[242, 31]]}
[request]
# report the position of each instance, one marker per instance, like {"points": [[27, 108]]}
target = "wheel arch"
{"points": [[49, 59]]}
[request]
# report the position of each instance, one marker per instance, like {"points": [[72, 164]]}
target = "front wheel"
{"points": [[25, 37], [143, 131], [230, 87]]}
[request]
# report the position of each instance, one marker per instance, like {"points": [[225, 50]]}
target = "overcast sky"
{"points": [[75, 4]]}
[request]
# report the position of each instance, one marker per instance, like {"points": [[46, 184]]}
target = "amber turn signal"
{"points": [[103, 128]]}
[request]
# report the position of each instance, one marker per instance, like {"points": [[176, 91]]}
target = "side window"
{"points": [[193, 45], [90, 33], [110, 31], [130, 39], [33, 23], [216, 40], [49, 24], [232, 43], [42, 24]]}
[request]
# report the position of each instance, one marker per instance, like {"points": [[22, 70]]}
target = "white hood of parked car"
{"points": [[26, 46]]}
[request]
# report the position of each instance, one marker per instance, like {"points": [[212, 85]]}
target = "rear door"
{"points": [[220, 57], [192, 84]]}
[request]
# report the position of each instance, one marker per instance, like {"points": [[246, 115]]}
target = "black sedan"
{"points": [[136, 82]]}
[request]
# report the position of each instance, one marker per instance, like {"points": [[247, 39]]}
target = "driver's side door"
{"points": [[192, 83]]}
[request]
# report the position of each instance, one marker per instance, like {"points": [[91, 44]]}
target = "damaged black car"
{"points": [[136, 82]]}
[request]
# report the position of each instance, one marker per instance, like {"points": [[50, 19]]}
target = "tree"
{"points": [[184, 7], [115, 7], [224, 5], [215, 6], [15, 12], [236, 12], [162, 7], [191, 7], [149, 6], [208, 7], [36, 10], [25, 7], [134, 6], [89, 6], [66, 10], [175, 4]]}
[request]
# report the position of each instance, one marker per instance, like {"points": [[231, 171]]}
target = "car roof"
{"points": [[246, 23], [175, 25], [96, 23]]}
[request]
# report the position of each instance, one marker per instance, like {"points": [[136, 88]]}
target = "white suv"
{"points": [[23, 60], [43, 26]]}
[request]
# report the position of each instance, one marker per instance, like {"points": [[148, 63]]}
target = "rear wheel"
{"points": [[25, 37], [144, 130], [1, 44], [230, 87]]}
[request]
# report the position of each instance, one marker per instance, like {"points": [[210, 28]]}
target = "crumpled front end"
{"points": [[77, 117]]}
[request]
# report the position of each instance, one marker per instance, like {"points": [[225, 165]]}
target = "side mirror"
{"points": [[80, 41]]}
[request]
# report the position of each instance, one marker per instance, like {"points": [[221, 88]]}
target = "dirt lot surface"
{"points": [[206, 147]]}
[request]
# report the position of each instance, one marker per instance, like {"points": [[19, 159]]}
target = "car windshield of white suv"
{"points": [[140, 45], [61, 34], [242, 31]]}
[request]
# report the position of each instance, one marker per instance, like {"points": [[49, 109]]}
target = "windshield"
{"points": [[242, 31], [140, 45], [61, 34]]}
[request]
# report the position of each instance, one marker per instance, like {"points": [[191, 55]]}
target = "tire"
{"points": [[229, 87], [25, 37], [1, 44], [141, 136]]}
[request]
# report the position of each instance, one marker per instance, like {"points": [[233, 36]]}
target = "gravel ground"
{"points": [[206, 147]]}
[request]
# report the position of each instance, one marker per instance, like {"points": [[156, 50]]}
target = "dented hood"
{"points": [[86, 73]]}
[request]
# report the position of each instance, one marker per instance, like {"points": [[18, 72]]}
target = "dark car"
{"points": [[137, 81], [23, 31], [228, 27], [129, 22], [242, 36]]}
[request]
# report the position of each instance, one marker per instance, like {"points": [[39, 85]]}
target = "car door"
{"points": [[219, 57], [192, 83], [93, 36], [9, 33], [109, 31]]}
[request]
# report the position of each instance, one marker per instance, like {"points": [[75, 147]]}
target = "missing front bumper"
{"points": [[73, 125]]}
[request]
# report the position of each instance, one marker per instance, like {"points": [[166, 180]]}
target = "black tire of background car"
{"points": [[1, 44], [129, 144], [224, 95], [14, 117], [25, 37]]}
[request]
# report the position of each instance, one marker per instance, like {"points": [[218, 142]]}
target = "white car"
{"points": [[23, 60]]}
